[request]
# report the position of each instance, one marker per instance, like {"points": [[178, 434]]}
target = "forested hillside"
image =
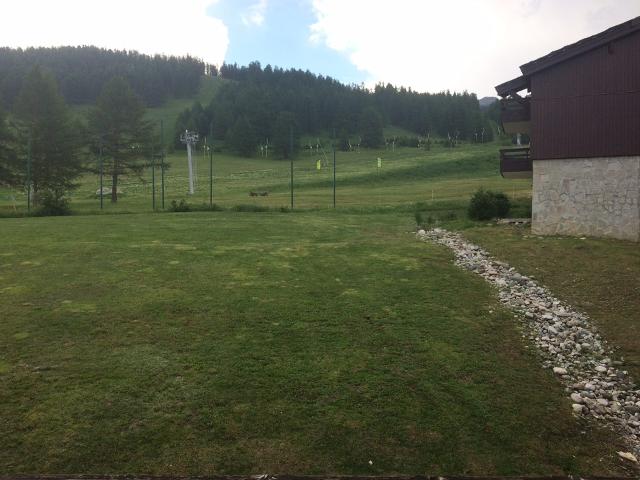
{"points": [[253, 105], [258, 103], [81, 72]]}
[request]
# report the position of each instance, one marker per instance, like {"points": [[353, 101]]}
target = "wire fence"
{"points": [[361, 179]]}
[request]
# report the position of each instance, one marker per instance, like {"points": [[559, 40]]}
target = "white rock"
{"points": [[576, 398], [559, 371], [628, 456], [601, 369], [577, 408]]}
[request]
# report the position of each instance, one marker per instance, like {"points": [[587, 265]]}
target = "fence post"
{"points": [[162, 159], [101, 175], [29, 172], [334, 168], [210, 165], [291, 159]]}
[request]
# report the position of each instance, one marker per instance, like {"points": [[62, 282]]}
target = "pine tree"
{"points": [[55, 138], [118, 128], [8, 158]]}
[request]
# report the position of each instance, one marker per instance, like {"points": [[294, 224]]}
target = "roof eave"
{"points": [[513, 86], [583, 46]]}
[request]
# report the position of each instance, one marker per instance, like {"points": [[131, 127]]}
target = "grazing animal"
{"points": [[253, 194]]}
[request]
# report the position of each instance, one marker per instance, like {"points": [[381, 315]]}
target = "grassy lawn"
{"points": [[203, 343], [600, 277]]}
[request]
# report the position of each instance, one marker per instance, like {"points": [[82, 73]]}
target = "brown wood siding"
{"points": [[589, 106]]}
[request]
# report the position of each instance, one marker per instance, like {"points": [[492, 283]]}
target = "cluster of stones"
{"points": [[566, 340]]}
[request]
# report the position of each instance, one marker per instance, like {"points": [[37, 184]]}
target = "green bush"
{"points": [[180, 206], [485, 205], [52, 204], [205, 207]]}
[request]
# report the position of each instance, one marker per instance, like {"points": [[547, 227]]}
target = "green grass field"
{"points": [[317, 341], [408, 175], [231, 342]]}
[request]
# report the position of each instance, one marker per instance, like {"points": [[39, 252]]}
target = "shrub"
{"points": [[53, 204], [181, 206], [485, 205], [205, 207]]}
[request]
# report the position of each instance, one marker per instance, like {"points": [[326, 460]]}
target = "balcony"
{"points": [[516, 163], [515, 113]]}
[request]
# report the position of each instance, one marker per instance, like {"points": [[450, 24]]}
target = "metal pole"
{"points": [[190, 163], [291, 159], [211, 165], [334, 168], [29, 172], [162, 159], [153, 180], [101, 176]]}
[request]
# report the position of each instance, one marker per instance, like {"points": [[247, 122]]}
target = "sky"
{"points": [[427, 45]]}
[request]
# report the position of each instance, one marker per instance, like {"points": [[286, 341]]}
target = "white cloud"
{"points": [[254, 15], [457, 44], [426, 44], [149, 26]]}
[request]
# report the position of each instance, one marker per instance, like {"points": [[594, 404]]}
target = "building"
{"points": [[582, 115]]}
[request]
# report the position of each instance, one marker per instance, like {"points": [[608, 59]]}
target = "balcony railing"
{"points": [[516, 163], [515, 114]]}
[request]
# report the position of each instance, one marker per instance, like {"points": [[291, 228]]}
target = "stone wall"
{"points": [[597, 197]]}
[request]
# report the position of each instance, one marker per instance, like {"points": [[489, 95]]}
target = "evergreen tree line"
{"points": [[44, 148], [254, 104], [81, 72]]}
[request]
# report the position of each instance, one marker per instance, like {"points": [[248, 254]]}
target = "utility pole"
{"points": [[190, 139]]}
